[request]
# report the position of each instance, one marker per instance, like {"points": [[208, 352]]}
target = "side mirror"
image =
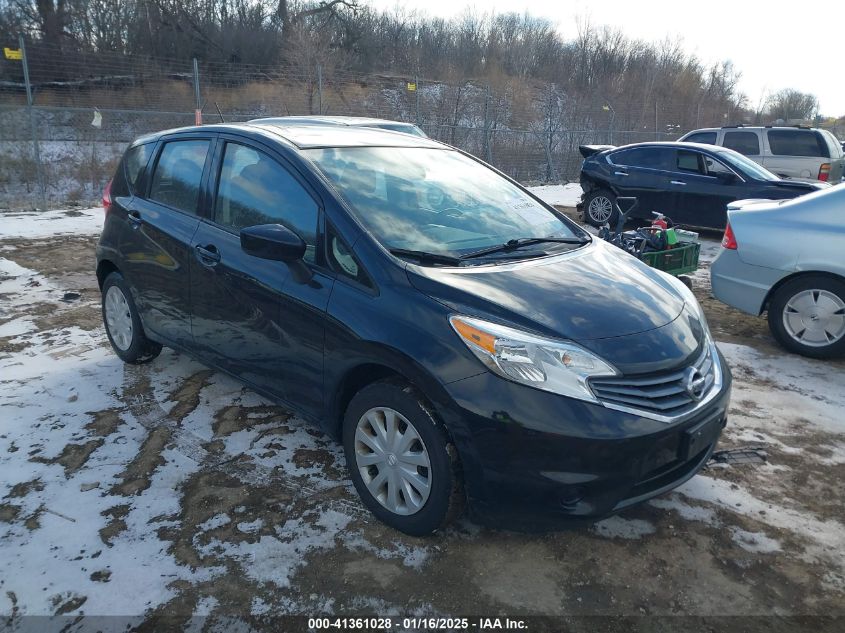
{"points": [[272, 241]]}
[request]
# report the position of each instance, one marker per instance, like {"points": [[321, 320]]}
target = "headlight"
{"points": [[548, 364]]}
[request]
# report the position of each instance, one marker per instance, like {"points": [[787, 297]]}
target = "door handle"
{"points": [[207, 255], [134, 218], [620, 173], [678, 182]]}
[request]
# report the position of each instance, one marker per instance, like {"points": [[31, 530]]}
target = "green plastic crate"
{"points": [[676, 261]]}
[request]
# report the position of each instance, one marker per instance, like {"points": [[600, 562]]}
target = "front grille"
{"points": [[662, 393]]}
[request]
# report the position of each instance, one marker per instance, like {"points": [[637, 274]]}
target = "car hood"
{"points": [[592, 295], [801, 185]]}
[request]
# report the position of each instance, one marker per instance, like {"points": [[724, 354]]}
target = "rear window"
{"points": [[743, 142], [708, 138], [176, 180], [797, 143]]}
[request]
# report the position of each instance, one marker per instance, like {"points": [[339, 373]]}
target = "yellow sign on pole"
{"points": [[411, 87], [12, 53]]}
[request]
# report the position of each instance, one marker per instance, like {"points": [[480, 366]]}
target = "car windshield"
{"points": [[437, 201], [746, 165]]}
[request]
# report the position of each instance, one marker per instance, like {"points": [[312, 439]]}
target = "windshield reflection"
{"points": [[435, 200]]}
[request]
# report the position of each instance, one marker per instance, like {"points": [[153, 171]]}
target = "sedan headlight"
{"points": [[551, 365]]}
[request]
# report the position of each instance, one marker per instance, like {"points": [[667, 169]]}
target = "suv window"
{"points": [[255, 189], [177, 176], [743, 142], [797, 143], [709, 138], [649, 157]]}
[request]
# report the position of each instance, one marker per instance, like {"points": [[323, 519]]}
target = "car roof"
{"points": [[333, 120], [305, 136], [676, 144]]}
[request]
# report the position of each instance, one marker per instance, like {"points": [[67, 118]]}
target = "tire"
{"points": [[122, 323], [421, 512], [597, 205], [807, 316]]}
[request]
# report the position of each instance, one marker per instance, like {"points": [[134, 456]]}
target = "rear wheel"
{"points": [[123, 324], [600, 208], [807, 316], [400, 459]]}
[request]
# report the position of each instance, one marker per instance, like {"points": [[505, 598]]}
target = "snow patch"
{"points": [[618, 527]]}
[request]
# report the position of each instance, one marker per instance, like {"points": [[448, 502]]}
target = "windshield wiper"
{"points": [[524, 241], [425, 256]]}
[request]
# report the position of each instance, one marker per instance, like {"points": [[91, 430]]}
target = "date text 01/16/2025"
{"points": [[416, 623]]}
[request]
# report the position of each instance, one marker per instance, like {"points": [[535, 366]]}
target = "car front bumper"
{"points": [[535, 460]]}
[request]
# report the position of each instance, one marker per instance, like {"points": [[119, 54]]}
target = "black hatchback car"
{"points": [[691, 183], [464, 340]]}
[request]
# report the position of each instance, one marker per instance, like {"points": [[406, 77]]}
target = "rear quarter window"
{"points": [[128, 175], [797, 143]]}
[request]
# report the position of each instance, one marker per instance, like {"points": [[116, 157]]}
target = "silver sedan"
{"points": [[787, 257]]}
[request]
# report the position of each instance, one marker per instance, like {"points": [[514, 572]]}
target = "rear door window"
{"points": [[177, 175], [647, 157], [743, 142], [797, 143], [708, 138], [255, 189]]}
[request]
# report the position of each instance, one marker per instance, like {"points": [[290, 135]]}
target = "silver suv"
{"points": [[790, 152]]}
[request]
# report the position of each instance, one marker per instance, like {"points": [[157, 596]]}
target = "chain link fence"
{"points": [[66, 119]]}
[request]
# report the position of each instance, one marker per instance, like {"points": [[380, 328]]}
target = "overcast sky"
{"points": [[774, 44]]}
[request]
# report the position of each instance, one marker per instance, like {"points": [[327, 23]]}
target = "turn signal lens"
{"points": [[475, 336]]}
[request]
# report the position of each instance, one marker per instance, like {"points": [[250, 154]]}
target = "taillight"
{"points": [[107, 198], [729, 241], [824, 172]]}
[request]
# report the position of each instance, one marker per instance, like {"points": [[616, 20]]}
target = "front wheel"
{"points": [[400, 459], [807, 316], [600, 208], [123, 324]]}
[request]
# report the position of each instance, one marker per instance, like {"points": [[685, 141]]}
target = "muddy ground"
{"points": [[169, 489]]}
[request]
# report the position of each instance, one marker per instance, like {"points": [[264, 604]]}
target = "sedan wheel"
{"points": [[392, 460], [599, 208], [815, 318], [118, 318], [807, 316]]}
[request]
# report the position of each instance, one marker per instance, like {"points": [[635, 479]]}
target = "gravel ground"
{"points": [[170, 489]]}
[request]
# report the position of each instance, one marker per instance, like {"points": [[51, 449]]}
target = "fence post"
{"points": [[656, 133], [320, 88], [487, 153], [198, 111], [417, 97], [35, 148]]}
